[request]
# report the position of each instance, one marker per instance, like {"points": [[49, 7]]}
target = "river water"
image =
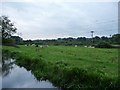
{"points": [[14, 76]]}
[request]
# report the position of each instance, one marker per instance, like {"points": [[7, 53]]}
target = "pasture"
{"points": [[102, 63]]}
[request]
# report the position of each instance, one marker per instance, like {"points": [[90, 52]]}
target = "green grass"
{"points": [[93, 60]]}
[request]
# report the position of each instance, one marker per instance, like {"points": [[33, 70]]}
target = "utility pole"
{"points": [[92, 35]]}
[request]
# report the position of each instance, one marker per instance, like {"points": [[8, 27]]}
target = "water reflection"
{"points": [[18, 77], [7, 65]]}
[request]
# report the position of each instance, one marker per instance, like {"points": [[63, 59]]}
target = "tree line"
{"points": [[7, 28], [70, 41]]}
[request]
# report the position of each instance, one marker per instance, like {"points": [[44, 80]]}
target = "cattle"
{"points": [[91, 47], [75, 45]]}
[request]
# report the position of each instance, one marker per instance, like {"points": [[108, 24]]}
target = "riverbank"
{"points": [[69, 67], [14, 76]]}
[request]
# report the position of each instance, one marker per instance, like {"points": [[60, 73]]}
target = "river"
{"points": [[14, 76]]}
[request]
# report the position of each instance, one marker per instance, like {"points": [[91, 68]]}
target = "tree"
{"points": [[7, 28], [96, 39], [116, 38], [105, 38], [103, 44]]}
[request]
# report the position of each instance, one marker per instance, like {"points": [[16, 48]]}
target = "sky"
{"points": [[51, 19]]}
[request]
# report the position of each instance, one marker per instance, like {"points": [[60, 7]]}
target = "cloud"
{"points": [[60, 1], [61, 19]]}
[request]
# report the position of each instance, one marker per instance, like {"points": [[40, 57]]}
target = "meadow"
{"points": [[69, 66]]}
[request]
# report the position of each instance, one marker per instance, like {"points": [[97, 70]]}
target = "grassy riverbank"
{"points": [[70, 67]]}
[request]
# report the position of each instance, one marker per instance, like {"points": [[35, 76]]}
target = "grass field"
{"points": [[93, 60]]}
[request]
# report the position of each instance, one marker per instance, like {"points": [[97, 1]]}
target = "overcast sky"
{"points": [[47, 20]]}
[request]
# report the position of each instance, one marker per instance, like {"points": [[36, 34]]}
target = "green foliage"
{"points": [[70, 67], [8, 41], [103, 45], [116, 38], [7, 27], [80, 41]]}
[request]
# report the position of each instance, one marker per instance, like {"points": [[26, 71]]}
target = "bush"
{"points": [[8, 42], [103, 45]]}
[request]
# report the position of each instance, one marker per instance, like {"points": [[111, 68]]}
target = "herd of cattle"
{"points": [[43, 46], [36, 45]]}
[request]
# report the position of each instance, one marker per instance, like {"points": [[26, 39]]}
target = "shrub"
{"points": [[8, 42], [103, 45]]}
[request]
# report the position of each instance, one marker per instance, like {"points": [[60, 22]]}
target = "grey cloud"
{"points": [[53, 20]]}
